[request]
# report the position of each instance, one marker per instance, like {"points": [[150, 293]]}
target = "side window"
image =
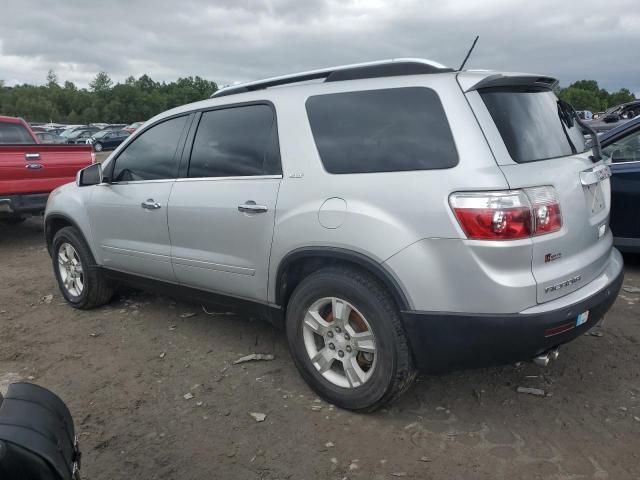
{"points": [[236, 142], [385, 130], [626, 149], [151, 156]]}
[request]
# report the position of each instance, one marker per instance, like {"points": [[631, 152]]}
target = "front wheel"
{"points": [[97, 147], [347, 339], [81, 283]]}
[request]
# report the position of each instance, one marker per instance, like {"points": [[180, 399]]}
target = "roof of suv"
{"points": [[467, 79]]}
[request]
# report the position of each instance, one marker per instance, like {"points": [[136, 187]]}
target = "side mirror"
{"points": [[91, 175]]}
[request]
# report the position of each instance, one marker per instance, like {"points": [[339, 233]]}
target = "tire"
{"points": [[96, 289], [97, 147], [13, 220], [390, 373]]}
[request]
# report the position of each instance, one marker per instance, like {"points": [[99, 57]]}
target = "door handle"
{"points": [[32, 156], [250, 207], [150, 204]]}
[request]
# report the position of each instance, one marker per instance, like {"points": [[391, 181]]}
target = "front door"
{"points": [[129, 212], [221, 216]]}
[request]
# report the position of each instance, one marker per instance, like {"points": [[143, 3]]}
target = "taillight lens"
{"points": [[507, 215], [546, 209]]}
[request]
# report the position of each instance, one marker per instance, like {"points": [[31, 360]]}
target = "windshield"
{"points": [[533, 124]]}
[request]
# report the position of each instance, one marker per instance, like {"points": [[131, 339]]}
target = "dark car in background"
{"points": [[622, 145], [81, 135], [107, 139]]}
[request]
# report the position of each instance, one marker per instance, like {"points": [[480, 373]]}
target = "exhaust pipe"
{"points": [[544, 359]]}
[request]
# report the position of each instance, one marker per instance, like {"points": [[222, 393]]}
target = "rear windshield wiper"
{"points": [[566, 110], [566, 121]]}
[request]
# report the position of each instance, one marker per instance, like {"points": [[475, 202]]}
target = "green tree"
{"points": [[102, 83], [52, 79]]}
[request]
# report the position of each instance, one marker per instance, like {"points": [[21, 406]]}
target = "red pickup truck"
{"points": [[29, 170]]}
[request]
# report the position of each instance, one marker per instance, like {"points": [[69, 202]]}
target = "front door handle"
{"points": [[250, 207], [150, 204]]}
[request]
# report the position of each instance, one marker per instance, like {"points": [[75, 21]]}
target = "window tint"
{"points": [[14, 133], [151, 156], [533, 125], [239, 141], [381, 131], [626, 149]]}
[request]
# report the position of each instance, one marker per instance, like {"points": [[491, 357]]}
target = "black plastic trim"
{"points": [[443, 342], [270, 313], [336, 253], [25, 203]]}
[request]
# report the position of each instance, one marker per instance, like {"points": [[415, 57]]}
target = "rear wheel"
{"points": [[347, 340], [81, 283], [97, 147]]}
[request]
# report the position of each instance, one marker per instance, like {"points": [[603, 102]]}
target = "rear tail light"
{"points": [[507, 215]]}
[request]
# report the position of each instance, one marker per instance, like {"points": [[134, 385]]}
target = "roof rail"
{"points": [[382, 68]]}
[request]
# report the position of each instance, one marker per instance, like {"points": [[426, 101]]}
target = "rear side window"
{"points": [[236, 142], [151, 156], [386, 130], [15, 133], [532, 124]]}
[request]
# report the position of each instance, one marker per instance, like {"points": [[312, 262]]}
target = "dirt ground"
{"points": [[125, 369]]}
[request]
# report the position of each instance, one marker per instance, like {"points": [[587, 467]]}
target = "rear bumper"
{"points": [[12, 205], [444, 342]]}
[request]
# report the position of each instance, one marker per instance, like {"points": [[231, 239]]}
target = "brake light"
{"points": [[507, 215]]}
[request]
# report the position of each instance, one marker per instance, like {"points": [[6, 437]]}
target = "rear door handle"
{"points": [[32, 156], [150, 204], [250, 207]]}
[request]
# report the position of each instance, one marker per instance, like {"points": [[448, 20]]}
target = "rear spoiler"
{"points": [[499, 80]]}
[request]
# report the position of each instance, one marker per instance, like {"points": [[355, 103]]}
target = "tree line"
{"points": [[104, 101], [587, 95], [141, 98]]}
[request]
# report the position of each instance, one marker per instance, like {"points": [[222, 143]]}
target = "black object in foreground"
{"points": [[37, 436]]}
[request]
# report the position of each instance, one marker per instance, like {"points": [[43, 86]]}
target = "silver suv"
{"points": [[392, 216]]}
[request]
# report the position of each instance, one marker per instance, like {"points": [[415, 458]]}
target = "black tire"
{"points": [[97, 147], [394, 371], [97, 289], [13, 220]]}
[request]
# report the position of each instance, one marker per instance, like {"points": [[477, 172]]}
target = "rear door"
{"points": [[537, 144], [129, 213], [221, 215]]}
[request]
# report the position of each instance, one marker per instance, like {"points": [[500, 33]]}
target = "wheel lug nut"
{"points": [[340, 353], [332, 346], [330, 334], [338, 330], [347, 337], [348, 349]]}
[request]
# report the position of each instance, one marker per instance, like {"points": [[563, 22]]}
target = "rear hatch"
{"points": [[536, 143]]}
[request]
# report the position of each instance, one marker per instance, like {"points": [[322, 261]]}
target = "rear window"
{"points": [[14, 133], [532, 124], [385, 130]]}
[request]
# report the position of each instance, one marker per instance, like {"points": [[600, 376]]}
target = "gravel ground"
{"points": [[125, 369]]}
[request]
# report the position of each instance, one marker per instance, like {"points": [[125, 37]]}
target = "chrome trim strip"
{"points": [[248, 177], [220, 267], [135, 253]]}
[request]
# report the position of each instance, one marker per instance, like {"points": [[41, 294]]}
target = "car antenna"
{"points": [[469, 53]]}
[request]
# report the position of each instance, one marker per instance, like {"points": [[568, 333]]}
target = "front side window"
{"points": [[236, 142], [626, 149], [386, 130], [533, 124], [151, 156]]}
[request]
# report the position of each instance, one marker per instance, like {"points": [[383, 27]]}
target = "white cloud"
{"points": [[237, 40]]}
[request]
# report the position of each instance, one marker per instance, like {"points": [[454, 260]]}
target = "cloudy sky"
{"points": [[238, 40]]}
